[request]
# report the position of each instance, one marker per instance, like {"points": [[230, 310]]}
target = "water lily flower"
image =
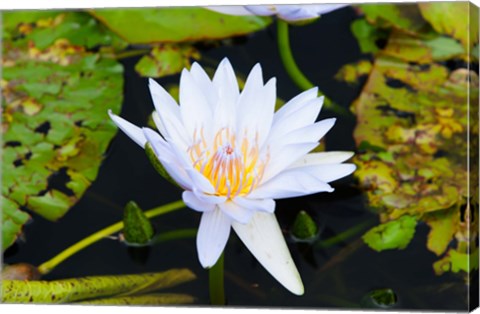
{"points": [[233, 155], [287, 12]]}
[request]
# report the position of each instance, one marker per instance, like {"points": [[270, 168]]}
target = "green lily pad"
{"points": [[54, 122], [46, 27], [444, 18], [402, 16], [160, 25], [395, 234], [149, 299], [91, 288], [166, 59], [442, 229]]}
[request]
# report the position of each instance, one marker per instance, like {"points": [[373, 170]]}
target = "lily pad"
{"points": [[402, 16], [160, 25], [395, 234], [166, 59], [444, 18], [54, 125], [91, 288]]}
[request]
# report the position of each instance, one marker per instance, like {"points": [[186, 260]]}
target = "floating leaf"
{"points": [[380, 298], [350, 73], [55, 127], [79, 28], [166, 59], [150, 299], [414, 49], [442, 228], [444, 18], [88, 288], [403, 16], [160, 25], [367, 35], [456, 261], [395, 234], [137, 227]]}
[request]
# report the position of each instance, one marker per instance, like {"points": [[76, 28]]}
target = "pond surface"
{"points": [[335, 277]]}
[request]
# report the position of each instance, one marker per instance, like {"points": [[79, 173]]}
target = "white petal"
{"points": [[265, 205], [159, 124], [236, 212], [256, 107], [326, 8], [131, 130], [295, 12], [304, 115], [169, 161], [290, 183], [263, 237], [328, 172], [322, 158], [194, 108], [226, 87], [209, 198], [200, 182], [296, 103], [262, 10], [194, 203], [284, 156], [230, 9], [203, 81], [169, 113], [212, 236], [311, 133]]}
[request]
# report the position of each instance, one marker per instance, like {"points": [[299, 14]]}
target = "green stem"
{"points": [[49, 265], [174, 235], [131, 53], [216, 283], [343, 236], [294, 71]]}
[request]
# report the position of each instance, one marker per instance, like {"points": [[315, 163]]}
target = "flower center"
{"points": [[233, 167]]}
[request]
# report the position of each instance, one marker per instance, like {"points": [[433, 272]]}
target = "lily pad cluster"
{"points": [[55, 95], [413, 131]]}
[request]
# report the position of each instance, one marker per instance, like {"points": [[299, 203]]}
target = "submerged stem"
{"points": [[216, 283], [341, 237], [294, 71], [46, 267]]}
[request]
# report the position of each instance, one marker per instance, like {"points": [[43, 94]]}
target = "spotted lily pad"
{"points": [[120, 288], [54, 124]]}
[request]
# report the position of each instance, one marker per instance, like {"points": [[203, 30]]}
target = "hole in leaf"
{"points": [[18, 163], [394, 83], [58, 181], [79, 123], [43, 128], [13, 144], [386, 109], [381, 42]]}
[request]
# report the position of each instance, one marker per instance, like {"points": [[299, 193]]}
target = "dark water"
{"points": [[337, 277]]}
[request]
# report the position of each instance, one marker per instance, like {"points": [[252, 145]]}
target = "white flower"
{"points": [[287, 12], [233, 155]]}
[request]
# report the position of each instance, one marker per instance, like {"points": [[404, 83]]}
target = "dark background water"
{"points": [[335, 277]]}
